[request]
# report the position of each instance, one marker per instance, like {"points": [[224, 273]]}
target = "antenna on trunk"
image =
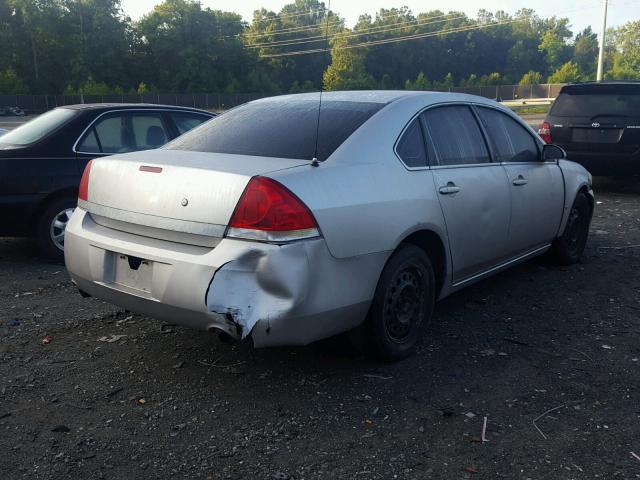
{"points": [[314, 161]]}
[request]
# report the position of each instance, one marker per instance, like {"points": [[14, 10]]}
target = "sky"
{"points": [[581, 13]]}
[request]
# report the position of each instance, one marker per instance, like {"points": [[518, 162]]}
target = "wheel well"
{"points": [[67, 192], [431, 243], [585, 190]]}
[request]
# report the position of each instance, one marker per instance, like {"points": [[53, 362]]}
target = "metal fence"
{"points": [[223, 101]]}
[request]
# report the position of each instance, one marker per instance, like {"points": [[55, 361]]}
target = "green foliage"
{"points": [[420, 83], [10, 83], [347, 70], [626, 54], [91, 46], [569, 72], [531, 78], [492, 79], [92, 87]]}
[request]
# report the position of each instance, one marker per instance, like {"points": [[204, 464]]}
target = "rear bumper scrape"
{"points": [[263, 284]]}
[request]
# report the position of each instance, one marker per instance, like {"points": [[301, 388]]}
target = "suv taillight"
{"points": [[83, 190], [268, 211], [545, 132]]}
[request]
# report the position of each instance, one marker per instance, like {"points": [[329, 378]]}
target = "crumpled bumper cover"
{"points": [[290, 294]]}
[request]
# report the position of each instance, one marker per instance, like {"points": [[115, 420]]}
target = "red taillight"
{"points": [[83, 190], [545, 132], [268, 211]]}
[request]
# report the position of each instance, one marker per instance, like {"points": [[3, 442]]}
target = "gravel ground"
{"points": [[550, 356]]}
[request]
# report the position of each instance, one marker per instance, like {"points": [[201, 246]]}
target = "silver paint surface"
{"points": [[364, 200]]}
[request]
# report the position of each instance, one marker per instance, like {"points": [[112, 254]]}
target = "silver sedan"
{"points": [[272, 222]]}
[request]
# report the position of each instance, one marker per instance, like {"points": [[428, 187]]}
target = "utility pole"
{"points": [[602, 35]]}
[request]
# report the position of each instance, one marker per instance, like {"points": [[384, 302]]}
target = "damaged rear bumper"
{"points": [[290, 294]]}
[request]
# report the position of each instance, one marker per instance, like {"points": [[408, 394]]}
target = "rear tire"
{"points": [[568, 248], [402, 305], [51, 225]]}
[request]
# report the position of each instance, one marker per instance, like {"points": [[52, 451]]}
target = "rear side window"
{"points": [[410, 147], [595, 101], [148, 131], [124, 132], [511, 142], [455, 135], [283, 128], [186, 121]]}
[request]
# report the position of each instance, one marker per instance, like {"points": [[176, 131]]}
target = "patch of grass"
{"points": [[528, 109]]}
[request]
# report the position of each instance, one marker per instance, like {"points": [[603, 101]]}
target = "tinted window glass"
{"points": [[114, 135], [510, 141], [148, 131], [39, 127], [186, 121], [410, 148], [604, 100], [456, 135], [279, 128], [89, 143]]}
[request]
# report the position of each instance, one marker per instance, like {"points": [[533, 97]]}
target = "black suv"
{"points": [[598, 124], [41, 162]]}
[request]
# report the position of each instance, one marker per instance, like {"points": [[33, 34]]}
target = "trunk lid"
{"points": [[171, 190]]}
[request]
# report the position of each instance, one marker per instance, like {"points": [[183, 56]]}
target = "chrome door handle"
{"points": [[519, 181], [449, 189]]}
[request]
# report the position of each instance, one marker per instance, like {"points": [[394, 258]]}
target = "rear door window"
{"points": [[124, 132], [285, 128], [148, 131], [411, 146], [511, 142], [455, 136], [185, 121]]}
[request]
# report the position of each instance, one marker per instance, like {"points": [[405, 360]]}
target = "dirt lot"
{"points": [[160, 401]]}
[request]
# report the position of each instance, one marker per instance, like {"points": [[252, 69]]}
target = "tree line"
{"points": [[92, 47]]}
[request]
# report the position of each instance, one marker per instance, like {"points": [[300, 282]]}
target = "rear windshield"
{"points": [[285, 129], [39, 127], [611, 101]]}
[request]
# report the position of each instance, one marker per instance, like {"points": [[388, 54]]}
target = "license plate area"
{"points": [[596, 135], [133, 272]]}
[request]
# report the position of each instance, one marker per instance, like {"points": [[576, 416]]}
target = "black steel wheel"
{"points": [[402, 305]]}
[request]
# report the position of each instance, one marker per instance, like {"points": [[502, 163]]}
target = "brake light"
{"points": [[83, 190], [268, 211], [545, 132]]}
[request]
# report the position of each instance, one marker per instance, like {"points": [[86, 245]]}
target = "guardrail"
{"points": [[223, 101]]}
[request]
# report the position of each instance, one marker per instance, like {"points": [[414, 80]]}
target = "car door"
{"points": [[537, 187], [473, 191], [122, 131]]}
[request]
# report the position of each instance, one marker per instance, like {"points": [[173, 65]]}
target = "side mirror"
{"points": [[553, 152]]}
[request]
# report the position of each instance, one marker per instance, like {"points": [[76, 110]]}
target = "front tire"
{"points": [[402, 305], [51, 226], [569, 247]]}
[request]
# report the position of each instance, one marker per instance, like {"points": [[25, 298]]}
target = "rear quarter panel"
{"points": [[364, 199]]}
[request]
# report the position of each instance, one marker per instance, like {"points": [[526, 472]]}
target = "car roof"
{"points": [[130, 106], [373, 96], [607, 85]]}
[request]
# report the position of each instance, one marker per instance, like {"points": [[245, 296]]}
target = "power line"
{"points": [[372, 31], [411, 37], [313, 27], [395, 39]]}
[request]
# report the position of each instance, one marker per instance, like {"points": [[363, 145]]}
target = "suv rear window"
{"points": [[284, 128], [602, 100]]}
